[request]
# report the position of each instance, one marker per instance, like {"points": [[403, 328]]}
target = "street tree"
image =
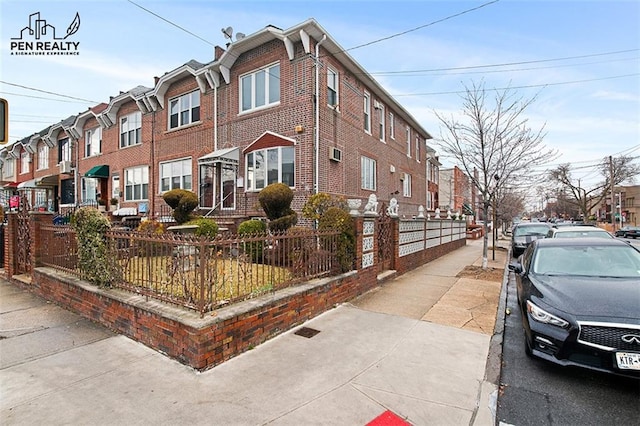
{"points": [[617, 170], [492, 136]]}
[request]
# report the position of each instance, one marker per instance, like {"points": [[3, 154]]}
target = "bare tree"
{"points": [[619, 169], [494, 138]]}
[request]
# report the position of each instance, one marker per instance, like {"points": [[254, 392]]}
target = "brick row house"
{"points": [[287, 106]]}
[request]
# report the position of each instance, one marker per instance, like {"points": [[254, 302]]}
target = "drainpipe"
{"points": [[215, 117], [316, 141]]}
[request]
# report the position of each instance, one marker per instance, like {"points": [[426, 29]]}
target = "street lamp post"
{"points": [[494, 229]]}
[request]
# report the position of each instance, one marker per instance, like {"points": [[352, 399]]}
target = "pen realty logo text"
{"points": [[40, 38]]}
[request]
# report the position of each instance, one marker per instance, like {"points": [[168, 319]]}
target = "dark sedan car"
{"points": [[628, 232], [524, 233], [580, 303]]}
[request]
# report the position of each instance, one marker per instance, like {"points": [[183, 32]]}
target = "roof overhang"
{"points": [[226, 155]]}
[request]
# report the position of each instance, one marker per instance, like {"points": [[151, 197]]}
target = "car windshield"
{"points": [[609, 261], [521, 231]]}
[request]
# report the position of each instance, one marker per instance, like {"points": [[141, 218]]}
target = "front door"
{"points": [[227, 186]]}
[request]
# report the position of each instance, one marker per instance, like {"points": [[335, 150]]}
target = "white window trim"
{"points": [[191, 121], [334, 73], [25, 161], [366, 106], [367, 163], [253, 74], [382, 125], [418, 148], [182, 176], [43, 157], [89, 142], [392, 126], [128, 119], [406, 185], [126, 185], [251, 183], [408, 142]]}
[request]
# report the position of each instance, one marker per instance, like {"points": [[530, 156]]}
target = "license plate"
{"points": [[628, 360]]}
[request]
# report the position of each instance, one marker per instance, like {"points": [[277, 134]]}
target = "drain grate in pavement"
{"points": [[306, 332]]}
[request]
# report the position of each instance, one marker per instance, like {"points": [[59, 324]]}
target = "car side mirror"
{"points": [[516, 267]]}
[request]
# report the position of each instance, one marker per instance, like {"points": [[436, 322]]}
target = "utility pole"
{"points": [[613, 196]]}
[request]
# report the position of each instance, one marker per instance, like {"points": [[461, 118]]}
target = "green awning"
{"points": [[98, 172]]}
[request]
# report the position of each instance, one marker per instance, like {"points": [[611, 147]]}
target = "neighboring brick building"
{"points": [[278, 105]]}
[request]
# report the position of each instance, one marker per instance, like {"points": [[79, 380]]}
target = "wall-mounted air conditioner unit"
{"points": [[65, 167], [335, 154]]}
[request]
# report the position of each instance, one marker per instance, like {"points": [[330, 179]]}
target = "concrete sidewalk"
{"points": [[385, 351]]}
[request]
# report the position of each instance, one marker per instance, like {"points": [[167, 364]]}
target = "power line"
{"points": [[420, 27], [47, 92], [506, 64], [171, 23], [41, 97], [521, 87]]}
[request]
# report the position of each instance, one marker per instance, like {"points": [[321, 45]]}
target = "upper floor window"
{"points": [[130, 127], [25, 160], [136, 184], [8, 169], [271, 165], [392, 126], [92, 142], [417, 148], [175, 175], [408, 142], [43, 157], [382, 121], [406, 185], [260, 88], [368, 173], [332, 88], [64, 150], [367, 112], [184, 110]]}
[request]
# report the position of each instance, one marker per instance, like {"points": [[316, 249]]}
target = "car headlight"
{"points": [[545, 317]]}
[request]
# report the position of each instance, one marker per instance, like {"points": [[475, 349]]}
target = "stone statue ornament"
{"points": [[421, 212], [392, 210], [371, 208]]}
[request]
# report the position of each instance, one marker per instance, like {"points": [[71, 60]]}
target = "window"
{"points": [[260, 88], [89, 190], [417, 148], [332, 88], [406, 185], [382, 123], [92, 142], [392, 126], [408, 142], [8, 168], [184, 110], [25, 160], [429, 200], [67, 191], [367, 112], [272, 165], [175, 175], [43, 157], [136, 185], [64, 150], [130, 127], [368, 173]]}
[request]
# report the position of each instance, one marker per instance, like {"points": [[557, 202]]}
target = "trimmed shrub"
{"points": [[182, 202], [151, 227], [253, 249], [206, 227], [276, 200], [94, 260], [340, 219], [319, 203]]}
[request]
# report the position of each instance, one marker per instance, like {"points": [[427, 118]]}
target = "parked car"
{"points": [[524, 233], [628, 232], [578, 232], [579, 301]]}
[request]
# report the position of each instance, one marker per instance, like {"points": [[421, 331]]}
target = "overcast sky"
{"points": [[581, 58]]}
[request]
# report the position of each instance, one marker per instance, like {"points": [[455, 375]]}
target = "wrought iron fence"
{"points": [[200, 273]]}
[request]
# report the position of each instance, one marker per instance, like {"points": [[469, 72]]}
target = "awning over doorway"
{"points": [[50, 180], [31, 183], [98, 172], [226, 155], [9, 185]]}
